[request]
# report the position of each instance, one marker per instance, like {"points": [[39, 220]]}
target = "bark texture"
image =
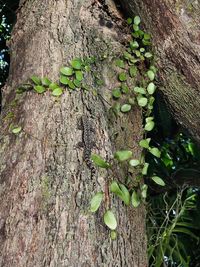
{"points": [[45, 185], [175, 27]]}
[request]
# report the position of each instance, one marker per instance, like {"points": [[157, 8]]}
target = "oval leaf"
{"points": [[99, 161], [158, 180], [96, 201], [36, 80], [123, 155], [66, 71], [39, 89], [57, 92], [155, 151], [149, 126], [45, 81], [125, 108], [79, 75], [142, 101], [151, 88], [135, 199], [134, 162], [137, 20], [110, 220], [116, 93], [17, 130], [64, 80], [151, 75], [76, 64], [122, 77]]}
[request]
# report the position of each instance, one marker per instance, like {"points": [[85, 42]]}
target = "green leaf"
{"points": [[135, 27], [116, 93], [150, 75], [139, 90], [76, 64], [124, 88], [36, 80], [39, 89], [122, 77], [99, 161], [125, 108], [71, 85], [147, 36], [129, 21], [133, 71], [131, 101], [77, 83], [142, 101], [121, 191], [110, 220], [79, 75], [135, 200], [45, 81], [151, 88], [57, 92], [16, 130], [134, 162], [137, 20], [149, 119], [134, 45], [113, 235], [53, 86], [155, 151], [96, 201], [158, 180], [153, 68], [149, 126], [119, 63], [123, 155], [145, 168], [148, 55], [145, 143], [66, 71], [127, 55], [144, 190], [64, 80]]}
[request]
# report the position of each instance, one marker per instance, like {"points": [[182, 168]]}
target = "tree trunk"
{"points": [[45, 184], [175, 27]]}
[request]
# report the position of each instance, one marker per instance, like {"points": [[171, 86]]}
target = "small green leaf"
{"points": [[149, 126], [77, 83], [119, 63], [133, 71], [116, 93], [113, 235], [123, 155], [148, 55], [39, 89], [99, 161], [151, 88], [79, 75], [129, 21], [144, 190], [121, 191], [76, 64], [135, 200], [131, 101], [155, 151], [147, 36], [96, 201], [142, 49], [137, 20], [64, 80], [149, 119], [17, 130], [145, 168], [66, 71], [125, 108], [45, 81], [110, 220], [36, 80], [71, 85], [150, 75], [142, 101], [139, 90], [145, 143], [135, 27], [124, 88], [122, 77], [127, 55], [57, 92], [53, 86], [153, 68], [158, 180], [134, 45], [134, 162]]}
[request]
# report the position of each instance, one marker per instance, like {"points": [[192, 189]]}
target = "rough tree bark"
{"points": [[175, 27], [45, 185]]}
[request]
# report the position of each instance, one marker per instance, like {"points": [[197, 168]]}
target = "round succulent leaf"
{"points": [[110, 220], [79, 75], [144, 143], [71, 85], [139, 90], [135, 27], [114, 188], [122, 77], [134, 45], [131, 101], [77, 83], [158, 180], [144, 190], [151, 88], [155, 151], [45, 81], [137, 20], [151, 75], [36, 80], [125, 108], [123, 155], [149, 119], [134, 162], [145, 168], [16, 130], [129, 21], [113, 235], [142, 101], [135, 200], [119, 63], [66, 71], [116, 93], [133, 71], [57, 92], [96, 201], [39, 89], [124, 88], [149, 126], [53, 86], [148, 55], [76, 64], [64, 80], [99, 161]]}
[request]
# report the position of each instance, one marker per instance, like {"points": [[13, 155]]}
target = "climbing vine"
{"points": [[136, 75]]}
